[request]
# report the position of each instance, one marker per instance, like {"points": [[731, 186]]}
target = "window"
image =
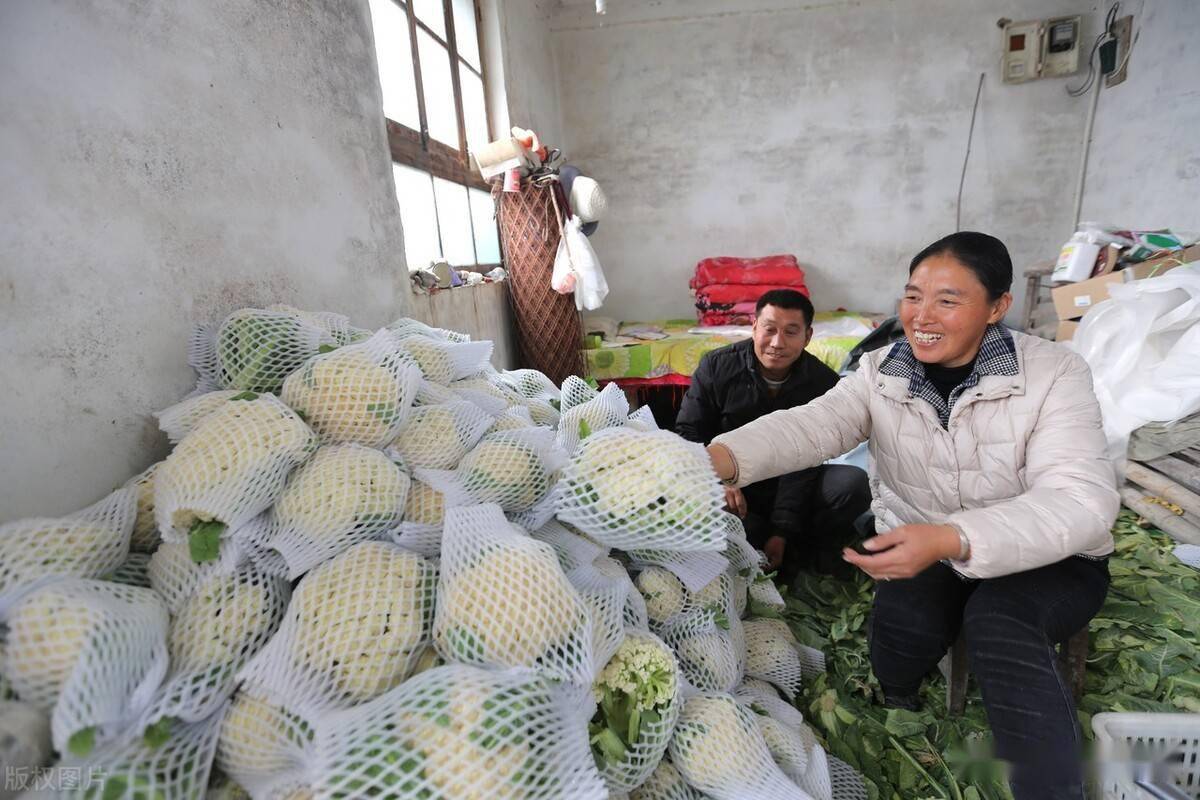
{"points": [[431, 73]]}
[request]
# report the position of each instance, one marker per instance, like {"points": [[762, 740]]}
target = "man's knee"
{"points": [[845, 488]]}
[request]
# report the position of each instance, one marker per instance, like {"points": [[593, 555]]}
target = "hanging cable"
{"points": [[962, 179], [1110, 21]]}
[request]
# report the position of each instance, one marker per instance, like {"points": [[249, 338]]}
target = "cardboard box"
{"points": [[1074, 300], [1066, 330]]}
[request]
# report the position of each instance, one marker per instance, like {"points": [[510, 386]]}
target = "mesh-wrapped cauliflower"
{"points": [[257, 349], [177, 421], [442, 361], [512, 419], [663, 591], [231, 467], [364, 617], [144, 538], [259, 737], [47, 633], [336, 325], [709, 659], [787, 746], [424, 504], [357, 394], [506, 471], [665, 783], [217, 625], [772, 656], [405, 327], [439, 436], [511, 607]]}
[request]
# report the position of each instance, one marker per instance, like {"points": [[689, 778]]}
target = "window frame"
{"points": [[416, 148]]}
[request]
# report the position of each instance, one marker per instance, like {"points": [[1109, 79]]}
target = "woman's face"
{"points": [[945, 311]]}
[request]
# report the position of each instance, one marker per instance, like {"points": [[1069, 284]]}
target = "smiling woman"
{"points": [[992, 495]]}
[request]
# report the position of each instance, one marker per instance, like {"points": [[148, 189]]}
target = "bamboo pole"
{"points": [[1177, 527], [1163, 486]]}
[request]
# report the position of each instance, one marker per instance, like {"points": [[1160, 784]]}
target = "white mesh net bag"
{"points": [[695, 569], [176, 766], [738, 551], [336, 325], [437, 437], [764, 594], [24, 739], [202, 357], [511, 419], [572, 548], [665, 783], [265, 743], [609, 409], [441, 361], [360, 393], [719, 750], [531, 384], [514, 469], [135, 571], [543, 510], [788, 738], [817, 780], [406, 326], [228, 618], [178, 420], [708, 638], [847, 782], [503, 600], [89, 652], [258, 349], [575, 390], [144, 537], [343, 495], [175, 576], [754, 688], [229, 468], [740, 586], [491, 395], [604, 586], [771, 655], [543, 412], [642, 420], [638, 696], [88, 544], [355, 628], [663, 592], [633, 490], [424, 511], [465, 733], [434, 394]]}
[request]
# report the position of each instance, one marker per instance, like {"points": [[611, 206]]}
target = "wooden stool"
{"points": [[1072, 660]]}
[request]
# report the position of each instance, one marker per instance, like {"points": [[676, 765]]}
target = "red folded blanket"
{"points": [[782, 270], [729, 293], [724, 318]]}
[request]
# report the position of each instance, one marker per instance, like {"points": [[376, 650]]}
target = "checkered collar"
{"points": [[997, 356]]}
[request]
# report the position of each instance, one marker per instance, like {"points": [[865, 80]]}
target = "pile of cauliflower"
{"points": [[373, 565]]}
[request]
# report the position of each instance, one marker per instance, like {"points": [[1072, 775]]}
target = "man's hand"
{"points": [[774, 549], [735, 501], [910, 549]]}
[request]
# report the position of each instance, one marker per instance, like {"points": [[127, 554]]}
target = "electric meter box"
{"points": [[1043, 48]]}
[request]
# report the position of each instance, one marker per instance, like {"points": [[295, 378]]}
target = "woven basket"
{"points": [[548, 329]]}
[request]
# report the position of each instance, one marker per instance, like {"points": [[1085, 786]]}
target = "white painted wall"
{"points": [[834, 130], [1144, 163], [163, 163]]}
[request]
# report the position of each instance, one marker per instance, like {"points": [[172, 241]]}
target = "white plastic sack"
{"points": [[1142, 346], [231, 466], [343, 495], [89, 652], [87, 544], [360, 393], [461, 732], [503, 600], [644, 490]]}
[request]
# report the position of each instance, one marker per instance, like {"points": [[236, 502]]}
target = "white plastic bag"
{"points": [[577, 269], [1142, 347]]}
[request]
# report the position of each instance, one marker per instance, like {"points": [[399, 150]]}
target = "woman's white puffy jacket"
{"points": [[1021, 468]]}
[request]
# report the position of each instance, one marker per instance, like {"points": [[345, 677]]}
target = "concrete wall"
{"points": [[834, 130], [531, 77], [1144, 163], [163, 163], [482, 311]]}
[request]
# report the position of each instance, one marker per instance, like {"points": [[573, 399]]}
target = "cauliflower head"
{"points": [[259, 737], [709, 661], [432, 356], [75, 546], [349, 396], [786, 746], [145, 538], [220, 623], [717, 745], [665, 783], [257, 349], [343, 488], [48, 633], [663, 591], [424, 504], [433, 436], [362, 617], [232, 452], [510, 608], [505, 472]]}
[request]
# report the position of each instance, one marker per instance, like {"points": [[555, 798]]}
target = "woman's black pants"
{"points": [[1011, 625]]}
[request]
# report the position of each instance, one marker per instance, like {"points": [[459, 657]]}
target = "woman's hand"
{"points": [[735, 501], [910, 549]]}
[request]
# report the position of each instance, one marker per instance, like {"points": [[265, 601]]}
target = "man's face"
{"points": [[780, 336]]}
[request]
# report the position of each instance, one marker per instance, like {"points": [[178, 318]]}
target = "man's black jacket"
{"points": [[728, 391]]}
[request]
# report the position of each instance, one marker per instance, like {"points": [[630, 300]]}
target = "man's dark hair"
{"points": [[984, 255], [786, 298]]}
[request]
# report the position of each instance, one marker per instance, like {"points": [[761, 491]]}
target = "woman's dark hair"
{"points": [[984, 255], [786, 298]]}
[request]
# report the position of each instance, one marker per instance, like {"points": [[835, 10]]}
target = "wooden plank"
{"points": [[1177, 527], [1178, 470], [1164, 487]]}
